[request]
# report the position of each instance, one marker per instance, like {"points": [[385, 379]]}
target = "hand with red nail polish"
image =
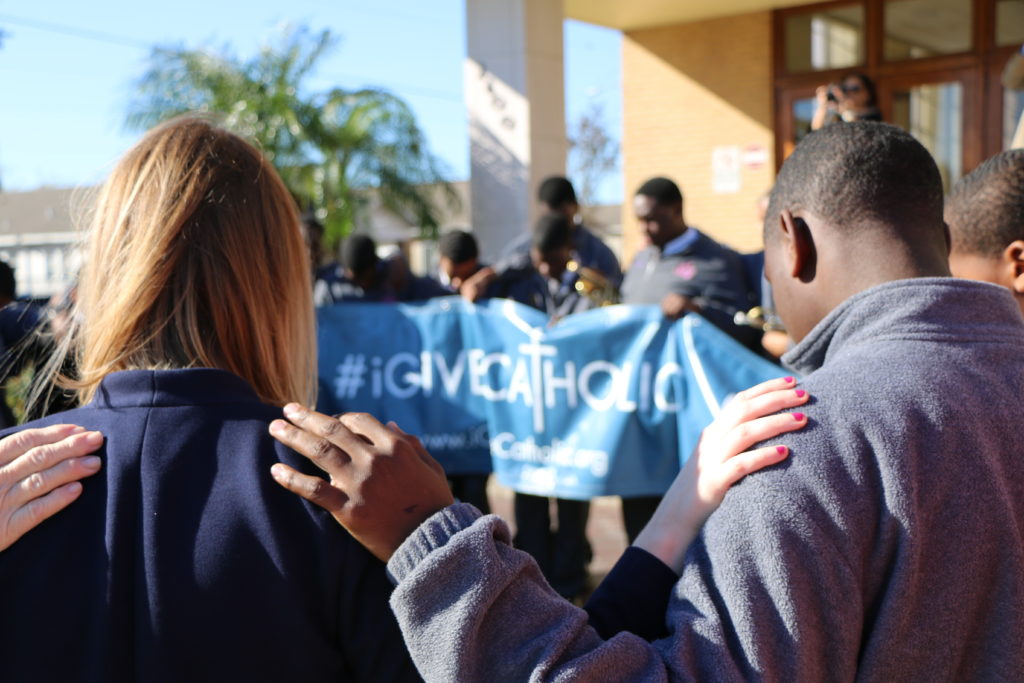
{"points": [[39, 473], [720, 460]]}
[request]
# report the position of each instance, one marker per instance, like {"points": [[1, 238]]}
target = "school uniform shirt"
{"points": [[184, 561], [698, 267], [518, 279], [591, 252]]}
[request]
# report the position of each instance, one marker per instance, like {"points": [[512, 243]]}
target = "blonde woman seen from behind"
{"points": [[181, 559]]}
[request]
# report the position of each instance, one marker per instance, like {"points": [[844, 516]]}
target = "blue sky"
{"points": [[67, 70]]}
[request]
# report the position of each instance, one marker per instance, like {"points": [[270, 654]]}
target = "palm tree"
{"points": [[330, 148]]}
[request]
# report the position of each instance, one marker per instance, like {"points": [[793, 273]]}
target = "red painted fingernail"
{"points": [[798, 416], [800, 393], [789, 380], [780, 449]]}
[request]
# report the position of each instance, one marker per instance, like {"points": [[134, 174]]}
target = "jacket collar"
{"points": [[191, 386], [941, 309], [681, 243]]}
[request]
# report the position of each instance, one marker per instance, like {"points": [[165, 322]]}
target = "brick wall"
{"points": [[690, 88]]}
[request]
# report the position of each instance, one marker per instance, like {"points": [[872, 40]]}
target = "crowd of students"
{"points": [[864, 522], [561, 267]]}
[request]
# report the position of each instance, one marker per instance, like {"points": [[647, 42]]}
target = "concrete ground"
{"points": [[605, 530]]}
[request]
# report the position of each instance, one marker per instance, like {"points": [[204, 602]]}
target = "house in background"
{"points": [[40, 234], [39, 239]]}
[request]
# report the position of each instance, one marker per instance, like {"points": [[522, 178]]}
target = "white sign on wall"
{"points": [[725, 169]]}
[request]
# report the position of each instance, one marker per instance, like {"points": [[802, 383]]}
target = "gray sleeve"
{"points": [[472, 608], [765, 595]]}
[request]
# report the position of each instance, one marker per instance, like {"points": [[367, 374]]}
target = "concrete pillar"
{"points": [[515, 96]]}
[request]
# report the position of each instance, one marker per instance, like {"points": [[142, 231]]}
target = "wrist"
{"points": [[667, 540], [432, 534]]}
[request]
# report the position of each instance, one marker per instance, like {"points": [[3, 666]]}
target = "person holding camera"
{"points": [[853, 98]]}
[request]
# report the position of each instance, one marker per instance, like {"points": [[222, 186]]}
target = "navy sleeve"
{"points": [[608, 264], [633, 597], [371, 640]]}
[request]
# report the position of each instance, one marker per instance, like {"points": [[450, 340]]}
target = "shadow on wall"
{"points": [[730, 57]]}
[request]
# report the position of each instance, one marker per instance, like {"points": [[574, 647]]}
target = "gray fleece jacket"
{"points": [[888, 546]]}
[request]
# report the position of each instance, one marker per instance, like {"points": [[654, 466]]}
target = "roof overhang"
{"points": [[637, 14]]}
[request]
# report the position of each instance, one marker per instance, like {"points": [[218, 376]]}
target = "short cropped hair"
{"points": [[552, 231], [860, 172], [359, 253], [459, 246], [985, 210], [8, 288], [556, 192], [663, 191]]}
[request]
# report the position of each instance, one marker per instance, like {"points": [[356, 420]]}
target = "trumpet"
{"points": [[758, 318], [594, 285]]}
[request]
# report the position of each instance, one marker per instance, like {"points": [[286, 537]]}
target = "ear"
{"points": [[798, 246], [1013, 265]]}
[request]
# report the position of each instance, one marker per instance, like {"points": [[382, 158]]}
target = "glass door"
{"points": [[936, 109]]}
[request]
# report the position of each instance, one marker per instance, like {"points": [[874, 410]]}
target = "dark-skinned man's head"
{"points": [[551, 246], [855, 205], [985, 214], [658, 206], [556, 195]]}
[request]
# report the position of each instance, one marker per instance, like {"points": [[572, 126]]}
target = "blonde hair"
{"points": [[195, 259]]}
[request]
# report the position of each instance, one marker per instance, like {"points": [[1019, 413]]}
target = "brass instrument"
{"points": [[758, 318], [594, 285]]}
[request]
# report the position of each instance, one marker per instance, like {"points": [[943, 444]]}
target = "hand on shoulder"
{"points": [[720, 460], [39, 473], [383, 483]]}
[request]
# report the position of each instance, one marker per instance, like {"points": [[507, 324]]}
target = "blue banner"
{"points": [[611, 401]]}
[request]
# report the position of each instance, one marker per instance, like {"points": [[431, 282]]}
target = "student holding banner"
{"points": [[459, 259], [539, 278], [683, 271], [556, 194], [363, 276]]}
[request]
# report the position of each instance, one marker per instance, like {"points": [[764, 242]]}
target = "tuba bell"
{"points": [[759, 318], [594, 285]]}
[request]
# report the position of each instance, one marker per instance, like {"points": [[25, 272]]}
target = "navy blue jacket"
{"points": [[184, 561], [518, 279], [591, 252]]}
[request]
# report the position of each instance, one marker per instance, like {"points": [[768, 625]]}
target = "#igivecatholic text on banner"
{"points": [[610, 401]]}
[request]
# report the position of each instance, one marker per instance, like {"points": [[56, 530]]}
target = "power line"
{"points": [[114, 39], [75, 32]]}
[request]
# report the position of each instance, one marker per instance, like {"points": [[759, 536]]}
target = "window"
{"points": [[926, 28], [825, 39], [1009, 22], [936, 65], [933, 113], [1013, 106]]}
